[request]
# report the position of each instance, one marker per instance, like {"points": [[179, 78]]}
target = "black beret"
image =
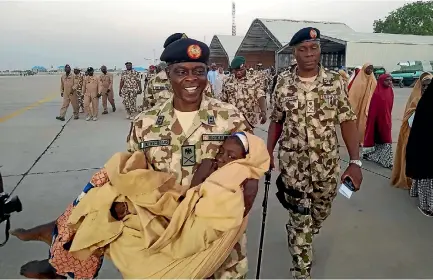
{"points": [[304, 35], [128, 62], [173, 38], [90, 69], [185, 50]]}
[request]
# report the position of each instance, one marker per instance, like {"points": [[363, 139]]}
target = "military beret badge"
{"points": [[313, 34], [194, 51]]}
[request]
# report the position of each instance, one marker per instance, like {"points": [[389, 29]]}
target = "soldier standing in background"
{"points": [[149, 76], [245, 92], [130, 87], [91, 91], [78, 87], [309, 103], [68, 94], [106, 80]]}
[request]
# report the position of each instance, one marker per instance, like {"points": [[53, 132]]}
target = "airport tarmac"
{"points": [[378, 233]]}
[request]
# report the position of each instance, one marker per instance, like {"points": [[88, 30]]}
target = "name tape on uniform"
{"points": [[214, 137], [188, 155], [154, 143]]}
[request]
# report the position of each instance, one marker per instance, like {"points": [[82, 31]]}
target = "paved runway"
{"points": [[379, 233]]}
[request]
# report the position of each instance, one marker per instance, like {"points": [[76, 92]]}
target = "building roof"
{"points": [[225, 46], [272, 34], [380, 38]]}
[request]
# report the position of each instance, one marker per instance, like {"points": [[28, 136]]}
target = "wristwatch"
{"points": [[356, 162]]}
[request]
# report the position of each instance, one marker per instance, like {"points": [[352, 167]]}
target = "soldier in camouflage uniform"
{"points": [[177, 137], [79, 78], [245, 92], [130, 86], [309, 103]]}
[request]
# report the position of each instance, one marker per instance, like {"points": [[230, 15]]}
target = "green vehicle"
{"points": [[410, 71], [378, 70]]}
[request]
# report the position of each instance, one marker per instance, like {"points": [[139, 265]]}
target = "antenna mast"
{"points": [[233, 19]]}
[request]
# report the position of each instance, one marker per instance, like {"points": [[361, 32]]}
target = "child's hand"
{"points": [[206, 167]]}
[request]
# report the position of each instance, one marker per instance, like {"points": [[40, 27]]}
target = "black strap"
{"points": [[8, 227]]}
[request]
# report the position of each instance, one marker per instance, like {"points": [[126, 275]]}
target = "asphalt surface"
{"points": [[378, 233]]}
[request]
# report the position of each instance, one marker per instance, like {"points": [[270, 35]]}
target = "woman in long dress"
{"points": [[378, 139], [360, 95], [398, 177], [419, 152]]}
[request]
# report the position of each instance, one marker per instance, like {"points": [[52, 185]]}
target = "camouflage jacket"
{"points": [[170, 149], [158, 90], [131, 80], [309, 113], [244, 94], [78, 82]]}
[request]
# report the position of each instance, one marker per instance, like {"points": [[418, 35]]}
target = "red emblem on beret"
{"points": [[313, 34], [194, 51]]}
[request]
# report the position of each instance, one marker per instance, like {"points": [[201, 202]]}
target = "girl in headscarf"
{"points": [[378, 140], [360, 96], [398, 177], [419, 152]]}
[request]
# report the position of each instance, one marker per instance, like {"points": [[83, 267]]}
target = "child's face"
{"points": [[229, 151]]}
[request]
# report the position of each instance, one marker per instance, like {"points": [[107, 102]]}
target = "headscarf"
{"points": [[244, 140], [344, 75], [416, 91], [360, 96], [419, 149], [398, 177], [379, 120], [352, 78]]}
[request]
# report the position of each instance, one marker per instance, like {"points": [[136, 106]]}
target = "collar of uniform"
{"points": [[321, 75], [204, 112], [162, 75]]}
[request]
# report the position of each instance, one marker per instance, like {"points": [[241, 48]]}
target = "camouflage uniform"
{"points": [[129, 91], [170, 149], [78, 88], [158, 90], [244, 94], [308, 154]]}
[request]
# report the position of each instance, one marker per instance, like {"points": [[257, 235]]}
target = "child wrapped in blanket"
{"points": [[152, 227]]}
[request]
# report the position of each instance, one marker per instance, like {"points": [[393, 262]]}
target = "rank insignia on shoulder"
{"points": [[154, 143], [159, 120], [211, 120], [188, 155], [214, 137]]}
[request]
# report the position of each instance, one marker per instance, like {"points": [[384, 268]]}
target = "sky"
{"points": [[93, 32]]}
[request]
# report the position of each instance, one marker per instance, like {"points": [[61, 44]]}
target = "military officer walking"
{"points": [[68, 94], [309, 102], [245, 92], [106, 80], [188, 128], [78, 87], [130, 86], [91, 91]]}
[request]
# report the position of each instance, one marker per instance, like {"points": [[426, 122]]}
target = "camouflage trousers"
{"points": [[80, 96], [236, 265], [302, 227], [129, 100]]}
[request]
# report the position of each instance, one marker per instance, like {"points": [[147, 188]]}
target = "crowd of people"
{"points": [[373, 102], [188, 219]]}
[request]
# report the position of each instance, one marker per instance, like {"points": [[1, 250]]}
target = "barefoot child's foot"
{"points": [[40, 233], [39, 270]]}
